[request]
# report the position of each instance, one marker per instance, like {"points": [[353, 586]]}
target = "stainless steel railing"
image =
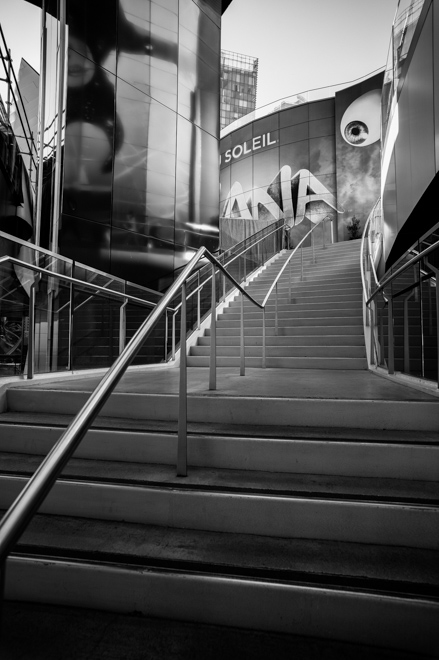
{"points": [[288, 262], [27, 503], [404, 286]]}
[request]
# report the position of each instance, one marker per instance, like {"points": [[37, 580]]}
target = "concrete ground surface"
{"points": [[44, 632], [283, 383]]}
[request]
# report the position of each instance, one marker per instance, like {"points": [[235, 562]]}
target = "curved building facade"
{"points": [[305, 163]]}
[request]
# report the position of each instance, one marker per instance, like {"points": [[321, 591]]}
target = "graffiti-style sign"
{"points": [[288, 196]]}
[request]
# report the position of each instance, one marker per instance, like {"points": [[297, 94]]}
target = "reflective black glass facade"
{"points": [[140, 177]]}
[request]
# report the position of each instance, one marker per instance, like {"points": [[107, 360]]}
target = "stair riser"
{"points": [[319, 341], [291, 313], [356, 458], [379, 414], [297, 331], [286, 517], [283, 362], [355, 617], [299, 322], [284, 351]]}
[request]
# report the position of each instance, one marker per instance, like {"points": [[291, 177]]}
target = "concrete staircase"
{"points": [[320, 326], [312, 515], [328, 533]]}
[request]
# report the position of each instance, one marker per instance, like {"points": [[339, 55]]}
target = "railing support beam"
{"points": [[212, 371]]}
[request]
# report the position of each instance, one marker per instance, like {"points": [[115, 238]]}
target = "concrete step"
{"points": [[284, 351], [292, 321], [293, 312], [303, 340], [297, 330], [364, 413], [284, 362]]}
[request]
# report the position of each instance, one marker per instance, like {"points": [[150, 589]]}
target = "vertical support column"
{"points": [[224, 287], [212, 371], [289, 286], [276, 320], [182, 395], [313, 249], [324, 231], [41, 124], [242, 351], [391, 353]]}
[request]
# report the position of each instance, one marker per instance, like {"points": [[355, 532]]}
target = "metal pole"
{"points": [[60, 107], [301, 263], [276, 314], [9, 83], [264, 340], [324, 228], [224, 287], [391, 354], [182, 395], [41, 124], [166, 334], [71, 314], [289, 288], [173, 335], [122, 326], [212, 373], [242, 370], [31, 336], [198, 303], [312, 246]]}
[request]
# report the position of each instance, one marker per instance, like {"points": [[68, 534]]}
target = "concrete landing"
{"points": [[278, 383]]}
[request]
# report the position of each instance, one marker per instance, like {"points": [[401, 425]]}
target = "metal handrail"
{"points": [[38, 487], [270, 290], [71, 262], [72, 280], [404, 267]]}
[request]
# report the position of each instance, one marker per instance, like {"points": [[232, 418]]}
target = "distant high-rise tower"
{"points": [[239, 80]]}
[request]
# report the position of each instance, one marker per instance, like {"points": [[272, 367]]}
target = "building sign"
{"points": [[248, 147]]}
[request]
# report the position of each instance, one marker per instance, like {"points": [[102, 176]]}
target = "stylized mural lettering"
{"points": [[293, 197]]}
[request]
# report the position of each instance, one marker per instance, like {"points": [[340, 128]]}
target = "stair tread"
{"points": [[331, 562], [236, 481], [340, 434]]}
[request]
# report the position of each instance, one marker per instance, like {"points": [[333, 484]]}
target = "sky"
{"points": [[301, 44]]}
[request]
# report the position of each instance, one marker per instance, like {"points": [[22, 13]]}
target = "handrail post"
{"points": [[212, 373], [198, 303], [289, 287], [166, 334], [242, 340], [324, 230], [224, 288], [301, 263], [173, 334], [313, 249], [31, 334], [391, 353], [182, 395], [264, 340], [276, 321], [122, 326], [71, 314]]}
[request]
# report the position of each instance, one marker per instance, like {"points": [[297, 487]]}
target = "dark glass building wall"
{"points": [[412, 145], [140, 180]]}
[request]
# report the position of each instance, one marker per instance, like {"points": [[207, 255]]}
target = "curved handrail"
{"points": [[404, 267], [38, 487], [270, 290]]}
